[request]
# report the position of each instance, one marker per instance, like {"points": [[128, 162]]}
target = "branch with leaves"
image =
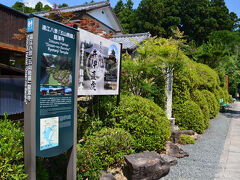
{"points": [[56, 13]]}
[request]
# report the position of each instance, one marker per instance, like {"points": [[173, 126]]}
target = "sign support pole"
{"points": [[29, 115], [71, 167], [118, 96]]}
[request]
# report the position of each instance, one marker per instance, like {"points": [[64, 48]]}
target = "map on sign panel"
{"points": [[49, 133]]}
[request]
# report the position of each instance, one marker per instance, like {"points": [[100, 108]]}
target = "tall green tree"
{"points": [[62, 5], [39, 6], [126, 16], [119, 7], [18, 6], [171, 19], [220, 12], [46, 8], [149, 16]]}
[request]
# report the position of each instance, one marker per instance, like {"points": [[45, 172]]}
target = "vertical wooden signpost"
{"points": [[51, 83]]}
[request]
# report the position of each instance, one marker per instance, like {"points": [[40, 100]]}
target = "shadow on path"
{"points": [[231, 113]]}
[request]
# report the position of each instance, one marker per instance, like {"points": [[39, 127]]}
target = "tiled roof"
{"points": [[130, 41], [84, 7]]}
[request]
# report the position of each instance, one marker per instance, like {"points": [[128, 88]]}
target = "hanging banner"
{"points": [[99, 65]]}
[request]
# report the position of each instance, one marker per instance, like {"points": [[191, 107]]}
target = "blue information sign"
{"points": [[30, 25], [56, 51]]}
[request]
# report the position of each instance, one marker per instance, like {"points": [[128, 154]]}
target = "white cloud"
{"points": [[32, 3]]}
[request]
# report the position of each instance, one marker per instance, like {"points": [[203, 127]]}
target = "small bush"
{"points": [[200, 100], [104, 148], [95, 114], [213, 104], [89, 165], [86, 124], [186, 139], [189, 116], [11, 151], [145, 121]]}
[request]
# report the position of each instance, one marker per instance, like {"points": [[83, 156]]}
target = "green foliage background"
{"points": [[11, 151]]}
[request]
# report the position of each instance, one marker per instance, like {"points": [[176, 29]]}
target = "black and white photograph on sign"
{"points": [[99, 65], [56, 70]]}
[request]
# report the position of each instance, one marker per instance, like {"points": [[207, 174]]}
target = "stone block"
{"points": [[146, 166], [175, 151]]}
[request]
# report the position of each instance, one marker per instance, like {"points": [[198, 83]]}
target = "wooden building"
{"points": [[12, 57], [12, 51], [101, 12]]}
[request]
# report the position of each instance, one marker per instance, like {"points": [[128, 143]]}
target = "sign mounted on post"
{"points": [[55, 88], [50, 98], [99, 65]]}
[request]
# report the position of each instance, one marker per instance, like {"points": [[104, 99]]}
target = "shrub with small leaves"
{"points": [[213, 104], [89, 165], [186, 139], [200, 100], [145, 121], [104, 148], [189, 116], [11, 150]]}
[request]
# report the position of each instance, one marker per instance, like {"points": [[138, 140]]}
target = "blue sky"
{"points": [[233, 5]]}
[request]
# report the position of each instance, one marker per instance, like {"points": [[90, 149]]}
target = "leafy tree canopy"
{"points": [[197, 18]]}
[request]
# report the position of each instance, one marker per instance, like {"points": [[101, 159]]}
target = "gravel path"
{"points": [[204, 156]]}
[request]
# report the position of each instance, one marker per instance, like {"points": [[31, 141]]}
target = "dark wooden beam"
{"points": [[12, 48]]}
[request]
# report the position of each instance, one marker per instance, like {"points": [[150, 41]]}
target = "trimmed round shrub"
{"points": [[189, 116], [103, 149], [184, 81], [208, 78], [200, 100], [186, 139], [213, 104], [145, 121], [11, 150]]}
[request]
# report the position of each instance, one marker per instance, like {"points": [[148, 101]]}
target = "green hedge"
{"points": [[208, 78], [199, 83], [11, 151], [189, 116], [218, 93], [185, 81], [199, 98], [145, 120], [213, 104], [103, 149]]}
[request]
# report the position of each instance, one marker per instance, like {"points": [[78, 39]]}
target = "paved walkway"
{"points": [[215, 156], [230, 158]]}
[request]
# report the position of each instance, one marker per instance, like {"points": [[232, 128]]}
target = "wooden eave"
{"points": [[10, 47], [14, 69]]}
